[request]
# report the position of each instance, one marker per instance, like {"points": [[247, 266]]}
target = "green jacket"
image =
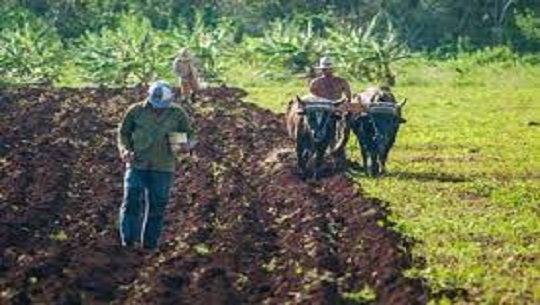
{"points": [[144, 130]]}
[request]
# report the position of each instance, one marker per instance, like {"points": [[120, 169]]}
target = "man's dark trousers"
{"points": [[146, 194]]}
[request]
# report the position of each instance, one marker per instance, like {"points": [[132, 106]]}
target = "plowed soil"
{"points": [[242, 226]]}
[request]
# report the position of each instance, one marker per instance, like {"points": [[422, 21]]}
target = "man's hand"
{"points": [[183, 148], [127, 156]]}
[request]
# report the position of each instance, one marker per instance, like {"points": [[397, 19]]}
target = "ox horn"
{"points": [[403, 103], [300, 101]]}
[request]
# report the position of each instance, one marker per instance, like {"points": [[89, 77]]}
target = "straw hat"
{"points": [[325, 63]]}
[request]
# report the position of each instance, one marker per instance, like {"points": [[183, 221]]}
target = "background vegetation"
{"points": [[127, 42], [463, 178]]}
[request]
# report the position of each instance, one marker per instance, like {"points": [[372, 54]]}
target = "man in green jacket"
{"points": [[150, 163]]}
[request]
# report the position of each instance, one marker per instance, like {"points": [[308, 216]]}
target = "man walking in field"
{"points": [[328, 85], [184, 68], [147, 141]]}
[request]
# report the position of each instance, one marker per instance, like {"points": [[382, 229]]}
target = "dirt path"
{"points": [[242, 227]]}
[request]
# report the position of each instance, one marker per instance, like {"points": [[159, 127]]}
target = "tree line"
{"points": [[421, 24]]}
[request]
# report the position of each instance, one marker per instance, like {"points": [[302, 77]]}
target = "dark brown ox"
{"points": [[376, 124], [317, 127]]}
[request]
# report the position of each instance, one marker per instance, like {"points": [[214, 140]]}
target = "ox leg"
{"points": [[389, 146], [317, 167], [364, 150], [358, 130], [374, 163], [365, 153], [383, 165], [384, 158], [302, 153], [385, 132], [371, 147], [340, 159], [380, 155], [317, 164], [368, 152], [374, 155]]}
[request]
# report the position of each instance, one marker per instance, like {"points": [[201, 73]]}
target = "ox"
{"points": [[376, 126], [317, 125]]}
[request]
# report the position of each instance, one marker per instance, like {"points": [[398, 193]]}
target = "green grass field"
{"points": [[464, 176]]}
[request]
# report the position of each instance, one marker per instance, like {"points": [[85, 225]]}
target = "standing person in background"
{"points": [[184, 68], [144, 144]]}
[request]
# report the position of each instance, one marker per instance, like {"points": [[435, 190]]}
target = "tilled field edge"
{"points": [[241, 228]]}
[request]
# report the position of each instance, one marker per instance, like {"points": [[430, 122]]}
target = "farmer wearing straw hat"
{"points": [[144, 142], [331, 87], [328, 85], [184, 68]]}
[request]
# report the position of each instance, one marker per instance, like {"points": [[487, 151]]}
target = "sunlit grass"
{"points": [[464, 178]]}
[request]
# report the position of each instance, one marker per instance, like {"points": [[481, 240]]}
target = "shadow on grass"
{"points": [[433, 176], [358, 170]]}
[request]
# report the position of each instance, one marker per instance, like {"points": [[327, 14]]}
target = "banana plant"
{"points": [[368, 53], [133, 53], [31, 53], [290, 47]]}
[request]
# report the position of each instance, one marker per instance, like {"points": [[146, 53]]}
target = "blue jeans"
{"points": [[146, 194]]}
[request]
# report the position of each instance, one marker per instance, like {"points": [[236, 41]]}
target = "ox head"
{"points": [[386, 119], [320, 119], [388, 115]]}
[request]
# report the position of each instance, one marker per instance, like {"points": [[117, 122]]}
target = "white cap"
{"points": [[160, 90]]}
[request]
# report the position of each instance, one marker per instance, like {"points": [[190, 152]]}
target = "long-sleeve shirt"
{"points": [[144, 130], [187, 72]]}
